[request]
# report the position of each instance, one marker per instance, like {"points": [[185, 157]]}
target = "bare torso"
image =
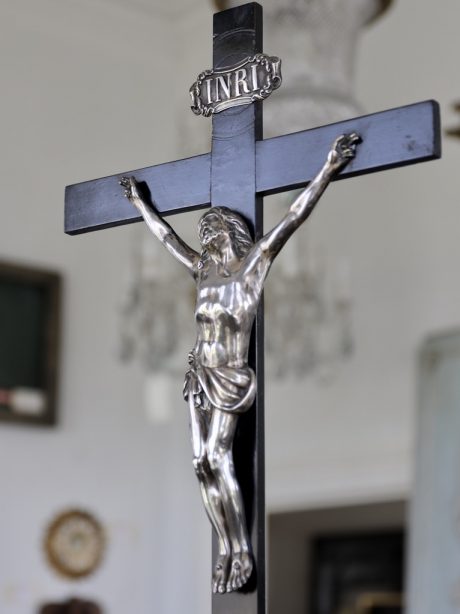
{"points": [[225, 310]]}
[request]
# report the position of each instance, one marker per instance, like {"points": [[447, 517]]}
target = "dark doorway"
{"points": [[358, 573], [295, 539]]}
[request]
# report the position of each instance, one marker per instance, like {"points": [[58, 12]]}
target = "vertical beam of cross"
{"points": [[237, 35]]}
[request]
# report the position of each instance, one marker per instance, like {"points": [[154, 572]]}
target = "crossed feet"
{"points": [[231, 572]]}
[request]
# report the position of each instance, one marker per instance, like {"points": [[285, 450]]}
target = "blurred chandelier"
{"points": [[312, 331]]}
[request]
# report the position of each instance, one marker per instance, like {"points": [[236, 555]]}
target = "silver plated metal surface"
{"points": [[253, 79], [229, 273]]}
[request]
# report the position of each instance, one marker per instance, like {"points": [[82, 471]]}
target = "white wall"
{"points": [[399, 230], [84, 95], [80, 99]]}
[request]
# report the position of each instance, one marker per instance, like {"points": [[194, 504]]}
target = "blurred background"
{"points": [[362, 418]]}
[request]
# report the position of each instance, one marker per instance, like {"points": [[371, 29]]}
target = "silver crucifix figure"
{"points": [[229, 273]]}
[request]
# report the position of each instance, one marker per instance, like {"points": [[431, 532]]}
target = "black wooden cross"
{"points": [[240, 170]]}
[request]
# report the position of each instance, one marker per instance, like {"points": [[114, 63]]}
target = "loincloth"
{"points": [[226, 388]]}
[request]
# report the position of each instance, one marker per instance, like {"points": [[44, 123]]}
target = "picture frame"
{"points": [[30, 312]]}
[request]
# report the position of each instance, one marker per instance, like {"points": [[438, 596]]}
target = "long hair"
{"points": [[237, 229]]}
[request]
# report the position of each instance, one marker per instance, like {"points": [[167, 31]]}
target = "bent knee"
{"points": [[217, 458], [199, 465]]}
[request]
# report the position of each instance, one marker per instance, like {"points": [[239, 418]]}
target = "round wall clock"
{"points": [[74, 543]]}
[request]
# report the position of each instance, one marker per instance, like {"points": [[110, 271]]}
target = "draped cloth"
{"points": [[229, 389]]}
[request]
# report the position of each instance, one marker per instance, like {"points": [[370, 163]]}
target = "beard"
{"points": [[210, 235]]}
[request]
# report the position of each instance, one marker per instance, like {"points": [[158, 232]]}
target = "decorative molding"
{"points": [[221, 5], [454, 130]]}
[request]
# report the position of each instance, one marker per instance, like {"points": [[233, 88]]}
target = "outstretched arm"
{"points": [[162, 231], [342, 151]]}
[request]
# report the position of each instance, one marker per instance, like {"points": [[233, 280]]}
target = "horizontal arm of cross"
{"points": [[177, 186], [398, 137]]}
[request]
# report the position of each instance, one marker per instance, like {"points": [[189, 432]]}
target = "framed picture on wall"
{"points": [[29, 344]]}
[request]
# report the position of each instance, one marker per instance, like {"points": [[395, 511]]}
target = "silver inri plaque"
{"points": [[253, 79]]}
